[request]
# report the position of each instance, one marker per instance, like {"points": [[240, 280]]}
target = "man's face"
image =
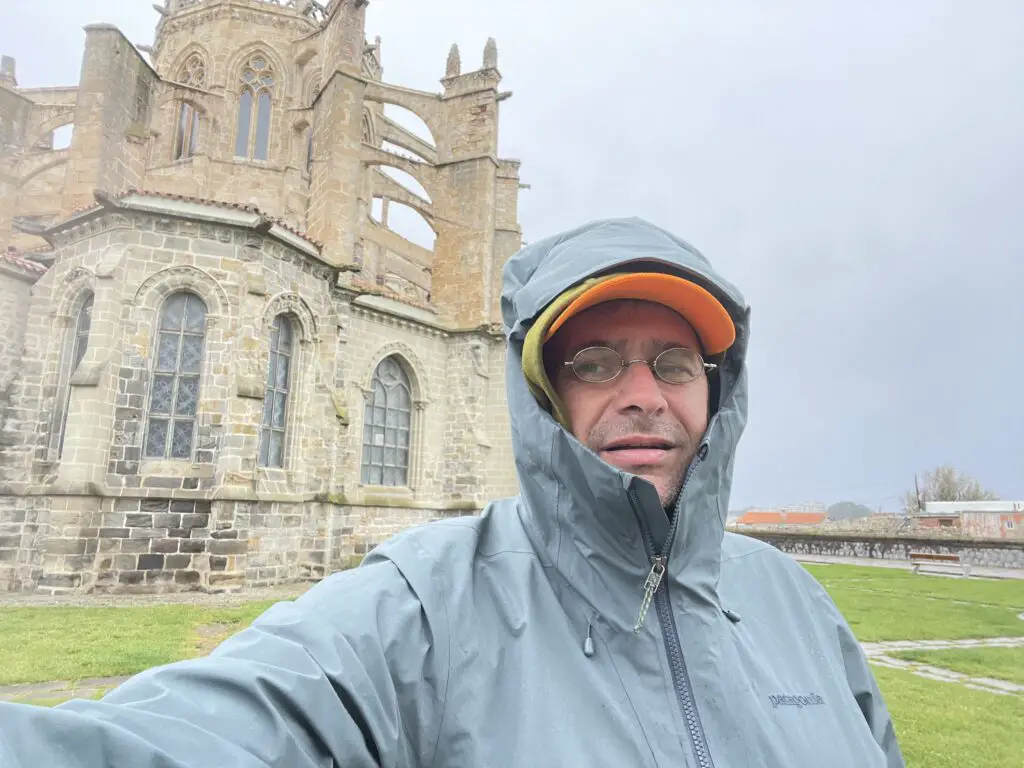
{"points": [[635, 422]]}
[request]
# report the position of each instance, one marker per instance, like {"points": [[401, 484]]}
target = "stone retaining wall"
{"points": [[989, 553], [93, 545]]}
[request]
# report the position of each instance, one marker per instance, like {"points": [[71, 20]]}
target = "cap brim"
{"points": [[697, 306]]}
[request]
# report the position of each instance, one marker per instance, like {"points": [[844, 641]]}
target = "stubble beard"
{"points": [[604, 432]]}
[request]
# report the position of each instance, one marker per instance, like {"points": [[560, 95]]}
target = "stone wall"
{"points": [[994, 553], [81, 505], [15, 290], [112, 117], [108, 518]]}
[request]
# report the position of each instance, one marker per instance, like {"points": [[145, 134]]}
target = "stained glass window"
{"points": [[386, 427], [74, 350], [275, 401], [252, 136], [177, 364]]}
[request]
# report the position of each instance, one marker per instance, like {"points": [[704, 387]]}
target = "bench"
{"points": [[940, 560]]}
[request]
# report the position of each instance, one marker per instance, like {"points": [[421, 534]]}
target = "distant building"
{"points": [[977, 519]]}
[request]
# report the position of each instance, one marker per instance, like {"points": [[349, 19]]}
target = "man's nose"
{"points": [[640, 390]]}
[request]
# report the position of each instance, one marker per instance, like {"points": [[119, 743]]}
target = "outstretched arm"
{"points": [[351, 674]]}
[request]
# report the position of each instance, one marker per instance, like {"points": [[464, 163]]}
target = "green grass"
{"points": [[999, 663], [892, 604], [42, 644], [942, 725]]}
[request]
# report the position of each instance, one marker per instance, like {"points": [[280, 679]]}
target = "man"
{"points": [[602, 617]]}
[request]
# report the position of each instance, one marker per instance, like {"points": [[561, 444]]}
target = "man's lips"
{"points": [[637, 450]]}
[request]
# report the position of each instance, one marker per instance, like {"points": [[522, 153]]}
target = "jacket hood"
{"points": [[597, 525]]}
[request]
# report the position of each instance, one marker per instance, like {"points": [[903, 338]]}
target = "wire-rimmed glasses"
{"points": [[678, 365]]}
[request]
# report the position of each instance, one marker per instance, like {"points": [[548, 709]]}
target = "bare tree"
{"points": [[944, 484]]}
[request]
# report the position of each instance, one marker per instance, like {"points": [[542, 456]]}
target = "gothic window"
{"points": [[387, 426], [72, 354], [186, 133], [252, 138], [174, 398], [275, 401]]}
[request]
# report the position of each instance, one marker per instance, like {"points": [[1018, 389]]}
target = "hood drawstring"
{"points": [[588, 644]]}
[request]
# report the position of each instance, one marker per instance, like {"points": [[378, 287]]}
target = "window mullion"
{"points": [[253, 117], [175, 380]]}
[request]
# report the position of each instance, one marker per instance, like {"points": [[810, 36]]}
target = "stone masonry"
{"points": [[219, 368]]}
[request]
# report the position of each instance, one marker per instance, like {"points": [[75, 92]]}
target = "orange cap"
{"points": [[697, 306]]}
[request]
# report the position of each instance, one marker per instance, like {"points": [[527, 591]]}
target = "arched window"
{"points": [[186, 136], [252, 137], [386, 426], [74, 350], [174, 395], [275, 401]]}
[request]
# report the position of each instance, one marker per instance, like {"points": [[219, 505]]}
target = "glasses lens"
{"points": [[597, 364], [679, 366]]}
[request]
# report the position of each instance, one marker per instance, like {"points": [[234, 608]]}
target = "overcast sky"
{"points": [[857, 168]]}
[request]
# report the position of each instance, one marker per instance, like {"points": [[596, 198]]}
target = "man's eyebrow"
{"points": [[662, 345], [616, 345]]}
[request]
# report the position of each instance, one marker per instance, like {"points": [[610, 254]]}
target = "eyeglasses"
{"points": [[597, 365]]}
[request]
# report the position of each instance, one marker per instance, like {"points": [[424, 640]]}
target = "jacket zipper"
{"points": [[663, 606]]}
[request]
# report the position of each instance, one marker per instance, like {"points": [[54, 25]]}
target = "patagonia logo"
{"points": [[810, 700]]}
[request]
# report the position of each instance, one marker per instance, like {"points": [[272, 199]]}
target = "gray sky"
{"points": [[857, 168]]}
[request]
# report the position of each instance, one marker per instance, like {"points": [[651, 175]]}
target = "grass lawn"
{"points": [[41, 644], [892, 604], [998, 663], [941, 725]]}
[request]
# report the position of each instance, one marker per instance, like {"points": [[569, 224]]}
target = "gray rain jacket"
{"points": [[508, 639]]}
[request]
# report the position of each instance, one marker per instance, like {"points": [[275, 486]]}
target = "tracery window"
{"points": [[186, 135], [74, 350], [252, 137], [177, 365], [387, 425], [275, 402]]}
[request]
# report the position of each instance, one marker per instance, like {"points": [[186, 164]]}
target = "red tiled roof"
{"points": [[220, 204], [761, 518], [782, 518], [13, 256], [202, 201]]}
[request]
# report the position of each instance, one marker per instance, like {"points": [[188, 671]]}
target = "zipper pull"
{"points": [[650, 587]]}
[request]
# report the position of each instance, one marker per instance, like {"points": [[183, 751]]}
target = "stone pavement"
{"points": [[204, 599], [877, 653], [977, 571], [59, 689]]}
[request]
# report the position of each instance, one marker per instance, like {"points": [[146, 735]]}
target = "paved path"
{"points": [[878, 653], [59, 689], [212, 600], [977, 571]]}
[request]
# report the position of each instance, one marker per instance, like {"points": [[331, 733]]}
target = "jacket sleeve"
{"points": [[865, 690], [351, 674]]}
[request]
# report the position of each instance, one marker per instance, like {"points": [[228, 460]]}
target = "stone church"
{"points": [[220, 366]]}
